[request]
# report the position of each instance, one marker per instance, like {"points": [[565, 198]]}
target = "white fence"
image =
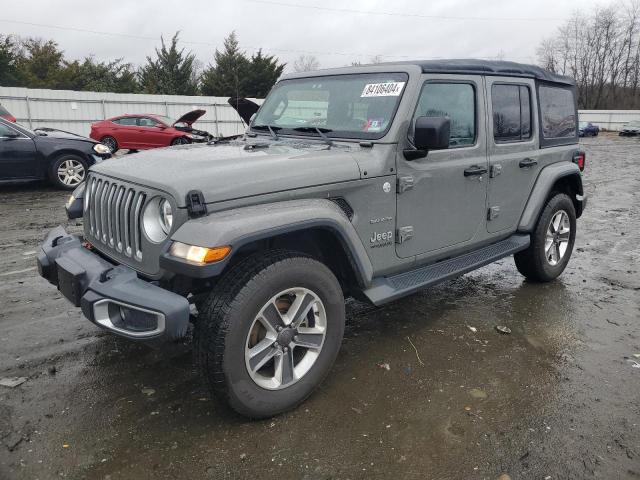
{"points": [[609, 119], [76, 111]]}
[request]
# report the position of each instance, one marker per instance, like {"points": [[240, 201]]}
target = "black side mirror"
{"points": [[432, 133]]}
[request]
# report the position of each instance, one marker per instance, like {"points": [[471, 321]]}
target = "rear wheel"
{"points": [[68, 171], [551, 241], [270, 331], [110, 142]]}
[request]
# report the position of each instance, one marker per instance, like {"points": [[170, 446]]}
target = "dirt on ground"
{"points": [[424, 388]]}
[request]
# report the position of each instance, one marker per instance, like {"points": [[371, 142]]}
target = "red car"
{"points": [[4, 113], [144, 131]]}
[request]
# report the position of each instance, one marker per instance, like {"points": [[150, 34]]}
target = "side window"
{"points": [[455, 101], [557, 111], [511, 112], [146, 122], [128, 121], [5, 131]]}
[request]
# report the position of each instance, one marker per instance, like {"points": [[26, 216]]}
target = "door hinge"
{"points": [[404, 234], [494, 212], [404, 183], [496, 170]]}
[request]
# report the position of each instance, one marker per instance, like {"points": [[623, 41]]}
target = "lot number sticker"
{"points": [[388, 89]]}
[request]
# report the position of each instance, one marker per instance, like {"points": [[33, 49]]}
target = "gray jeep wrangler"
{"points": [[371, 182]]}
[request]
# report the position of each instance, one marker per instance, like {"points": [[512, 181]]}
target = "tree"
{"points": [[264, 71], [601, 50], [40, 63], [9, 75], [114, 76], [228, 75], [171, 73], [306, 63]]}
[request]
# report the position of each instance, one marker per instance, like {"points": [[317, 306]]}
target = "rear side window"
{"points": [[455, 101], [557, 112], [511, 112], [132, 121]]}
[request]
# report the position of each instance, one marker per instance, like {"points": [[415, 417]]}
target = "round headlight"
{"points": [[166, 216], [157, 219]]}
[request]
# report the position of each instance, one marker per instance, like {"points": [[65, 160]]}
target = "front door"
{"points": [[513, 150], [446, 204], [17, 155]]}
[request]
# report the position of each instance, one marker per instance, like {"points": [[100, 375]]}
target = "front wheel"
{"points": [[269, 332], [551, 241], [110, 142], [68, 171], [179, 141]]}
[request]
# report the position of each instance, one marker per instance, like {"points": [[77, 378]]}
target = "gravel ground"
{"points": [[558, 398]]}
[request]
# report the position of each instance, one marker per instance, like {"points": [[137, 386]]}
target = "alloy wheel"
{"points": [[286, 338], [71, 172], [557, 237]]}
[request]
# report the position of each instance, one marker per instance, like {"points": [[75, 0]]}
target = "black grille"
{"points": [[344, 206]]}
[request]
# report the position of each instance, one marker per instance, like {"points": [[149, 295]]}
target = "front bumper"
{"points": [[111, 296]]}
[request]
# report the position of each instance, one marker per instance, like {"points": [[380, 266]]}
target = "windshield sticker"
{"points": [[374, 125], [388, 89]]}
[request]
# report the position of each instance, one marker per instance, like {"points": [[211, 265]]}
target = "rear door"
{"points": [[446, 205], [18, 156], [125, 131], [512, 137]]}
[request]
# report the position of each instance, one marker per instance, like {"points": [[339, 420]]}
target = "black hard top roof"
{"points": [[488, 67]]}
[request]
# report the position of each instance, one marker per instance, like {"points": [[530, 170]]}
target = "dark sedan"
{"points": [[46, 154], [588, 129]]}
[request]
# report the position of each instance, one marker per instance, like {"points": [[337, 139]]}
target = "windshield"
{"points": [[582, 124], [347, 106]]}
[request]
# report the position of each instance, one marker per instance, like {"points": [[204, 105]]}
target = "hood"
{"points": [[190, 117], [245, 108], [229, 171], [54, 134]]}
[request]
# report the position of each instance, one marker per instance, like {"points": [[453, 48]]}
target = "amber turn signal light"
{"points": [[195, 254]]}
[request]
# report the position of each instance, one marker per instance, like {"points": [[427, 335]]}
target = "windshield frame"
{"points": [[403, 76]]}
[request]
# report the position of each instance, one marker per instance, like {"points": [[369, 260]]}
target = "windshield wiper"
{"points": [[319, 130], [272, 130]]}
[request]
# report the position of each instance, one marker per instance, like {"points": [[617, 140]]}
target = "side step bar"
{"points": [[386, 289]]}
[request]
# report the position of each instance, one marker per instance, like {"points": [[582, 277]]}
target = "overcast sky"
{"points": [[335, 31]]}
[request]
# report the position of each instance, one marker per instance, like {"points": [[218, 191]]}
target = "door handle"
{"points": [[475, 170], [527, 162]]}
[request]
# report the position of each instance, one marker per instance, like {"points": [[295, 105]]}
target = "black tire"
{"points": [[227, 315], [532, 262], [180, 141], [77, 162], [110, 142]]}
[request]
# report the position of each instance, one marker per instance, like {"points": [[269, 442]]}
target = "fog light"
{"points": [[132, 320]]}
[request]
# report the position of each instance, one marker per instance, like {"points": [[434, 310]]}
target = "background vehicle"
{"points": [[4, 113], [145, 131], [60, 157], [588, 129], [372, 182], [630, 129]]}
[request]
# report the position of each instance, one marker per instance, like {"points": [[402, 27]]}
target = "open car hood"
{"points": [[245, 108], [190, 117]]}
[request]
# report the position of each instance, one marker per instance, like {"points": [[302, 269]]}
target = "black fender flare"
{"points": [[240, 226]]}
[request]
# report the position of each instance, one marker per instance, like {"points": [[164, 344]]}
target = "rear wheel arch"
{"points": [[563, 177]]}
